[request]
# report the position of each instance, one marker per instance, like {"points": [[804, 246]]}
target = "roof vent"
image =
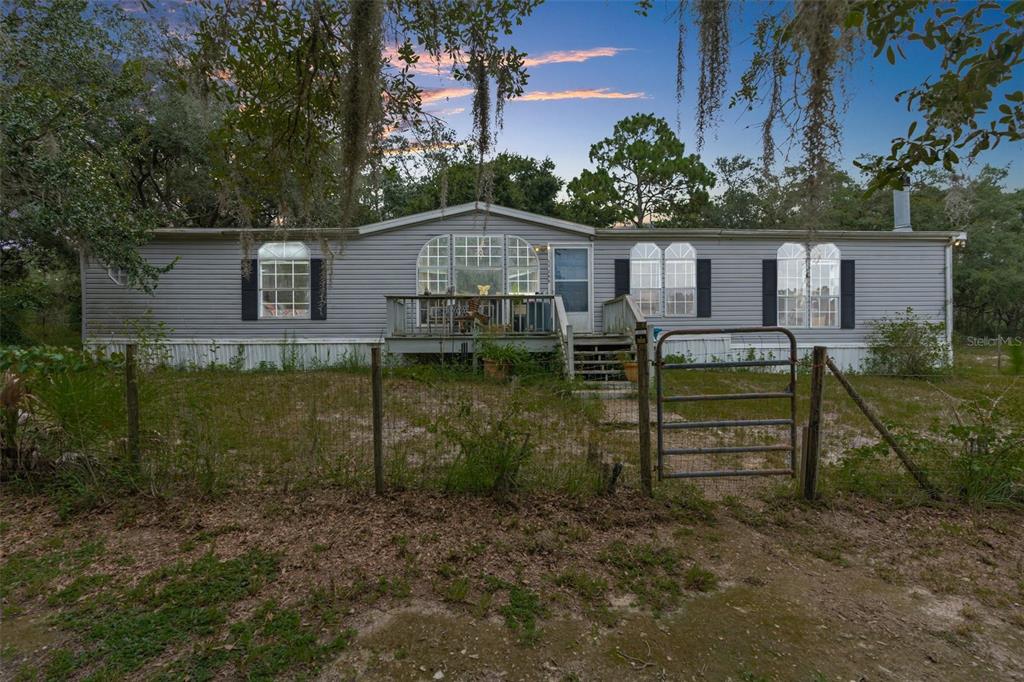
{"points": [[901, 210]]}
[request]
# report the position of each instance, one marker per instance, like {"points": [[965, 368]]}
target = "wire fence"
{"points": [[445, 428], [451, 428]]}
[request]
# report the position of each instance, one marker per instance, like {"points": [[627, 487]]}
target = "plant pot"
{"points": [[495, 369], [630, 368]]}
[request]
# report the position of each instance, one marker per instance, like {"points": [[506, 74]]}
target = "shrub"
{"points": [[1016, 351], [979, 460], [491, 450], [907, 345]]}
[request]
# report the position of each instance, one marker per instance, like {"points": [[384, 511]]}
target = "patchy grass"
{"points": [[127, 628], [269, 643], [648, 571]]}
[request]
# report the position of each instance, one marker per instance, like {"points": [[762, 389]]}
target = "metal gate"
{"points": [[661, 367]]}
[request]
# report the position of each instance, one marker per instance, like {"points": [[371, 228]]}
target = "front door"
{"points": [[570, 277]]}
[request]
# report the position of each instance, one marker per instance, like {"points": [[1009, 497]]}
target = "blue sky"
{"points": [[637, 74], [644, 68]]}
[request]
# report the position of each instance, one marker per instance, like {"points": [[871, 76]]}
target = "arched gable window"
{"points": [[284, 280], [477, 264], [645, 277], [523, 267], [792, 285], [680, 280], [433, 265], [825, 259]]}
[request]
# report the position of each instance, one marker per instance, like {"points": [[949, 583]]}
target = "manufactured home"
{"points": [[439, 282]]}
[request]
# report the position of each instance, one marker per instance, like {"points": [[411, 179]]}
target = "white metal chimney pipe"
{"points": [[901, 210]]}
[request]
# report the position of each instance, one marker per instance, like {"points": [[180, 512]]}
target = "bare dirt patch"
{"points": [[556, 588]]}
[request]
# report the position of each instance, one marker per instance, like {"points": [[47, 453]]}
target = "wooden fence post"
{"points": [[377, 389], [644, 408], [812, 435], [911, 466], [131, 399]]}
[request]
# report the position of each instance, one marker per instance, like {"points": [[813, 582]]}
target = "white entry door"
{"points": [[571, 279]]}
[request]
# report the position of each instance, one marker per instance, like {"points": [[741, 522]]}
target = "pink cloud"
{"points": [[584, 93], [572, 56], [428, 65], [432, 95]]}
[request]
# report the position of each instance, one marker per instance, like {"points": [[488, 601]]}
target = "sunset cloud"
{"points": [[432, 95], [572, 56], [428, 65], [591, 93]]}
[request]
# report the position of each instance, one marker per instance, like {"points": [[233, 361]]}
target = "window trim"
{"points": [[807, 259], [261, 259]]}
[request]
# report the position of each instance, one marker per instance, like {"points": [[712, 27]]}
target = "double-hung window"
{"points": [[284, 280], [680, 280], [808, 285], [645, 277]]}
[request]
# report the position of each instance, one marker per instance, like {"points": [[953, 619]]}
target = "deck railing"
{"points": [[443, 316]]}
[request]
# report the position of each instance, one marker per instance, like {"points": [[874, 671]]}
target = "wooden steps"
{"points": [[598, 358]]}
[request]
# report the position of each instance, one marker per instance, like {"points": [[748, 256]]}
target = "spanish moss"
{"points": [[713, 27]]}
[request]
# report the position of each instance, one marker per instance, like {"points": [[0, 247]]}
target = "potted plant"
{"points": [[499, 359], [629, 367]]}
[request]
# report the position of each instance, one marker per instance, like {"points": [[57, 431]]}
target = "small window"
{"points": [[645, 277], [680, 280], [118, 276], [284, 280]]}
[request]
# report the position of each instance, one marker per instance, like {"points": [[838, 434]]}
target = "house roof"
{"points": [[566, 226]]}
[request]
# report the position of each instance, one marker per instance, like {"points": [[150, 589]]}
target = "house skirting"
{"points": [[247, 354], [721, 348]]}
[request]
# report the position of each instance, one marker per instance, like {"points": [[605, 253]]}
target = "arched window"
{"points": [[825, 259], [808, 285], [645, 277], [477, 264], [792, 285], [523, 267], [284, 280], [433, 265], [680, 280]]}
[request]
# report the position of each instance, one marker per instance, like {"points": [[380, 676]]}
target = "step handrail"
{"points": [[565, 336], [622, 315]]}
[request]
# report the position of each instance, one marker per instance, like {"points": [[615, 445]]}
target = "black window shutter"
{"points": [[250, 289], [847, 295], [317, 289], [621, 276], [703, 287], [769, 293]]}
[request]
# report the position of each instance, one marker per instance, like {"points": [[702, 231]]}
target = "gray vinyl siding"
{"points": [[200, 298], [890, 276]]}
